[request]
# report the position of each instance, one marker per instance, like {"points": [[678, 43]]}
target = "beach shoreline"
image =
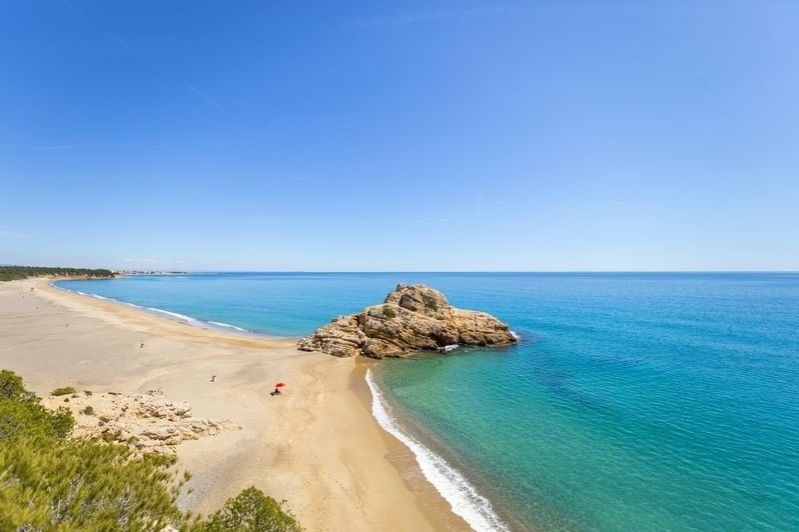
{"points": [[317, 446]]}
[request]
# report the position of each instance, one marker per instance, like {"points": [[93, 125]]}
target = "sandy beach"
{"points": [[317, 446]]}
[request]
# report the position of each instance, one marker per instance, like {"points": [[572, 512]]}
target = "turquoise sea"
{"points": [[634, 401]]}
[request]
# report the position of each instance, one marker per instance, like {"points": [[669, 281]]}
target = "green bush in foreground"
{"points": [[49, 482], [81, 485], [250, 510], [21, 415], [11, 388]]}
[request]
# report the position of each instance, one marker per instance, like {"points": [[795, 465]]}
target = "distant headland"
{"points": [[14, 273]]}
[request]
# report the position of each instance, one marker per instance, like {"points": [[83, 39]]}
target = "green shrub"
{"points": [[21, 415], [89, 410], [251, 510], [80, 485], [66, 390], [389, 312], [11, 387]]}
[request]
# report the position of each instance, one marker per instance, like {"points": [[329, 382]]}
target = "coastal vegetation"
{"points": [[249, 510], [49, 481], [13, 273]]}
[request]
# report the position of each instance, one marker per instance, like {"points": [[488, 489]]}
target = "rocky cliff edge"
{"points": [[148, 423]]}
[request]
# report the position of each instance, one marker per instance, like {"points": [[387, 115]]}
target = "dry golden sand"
{"points": [[316, 446]]}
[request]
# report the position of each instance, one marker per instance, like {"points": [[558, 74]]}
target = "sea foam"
{"points": [[461, 495], [174, 315], [227, 326]]}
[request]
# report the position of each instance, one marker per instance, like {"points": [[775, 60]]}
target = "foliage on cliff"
{"points": [[13, 273], [51, 482]]}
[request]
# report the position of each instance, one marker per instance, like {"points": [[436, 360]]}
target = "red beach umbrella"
{"points": [[279, 385]]}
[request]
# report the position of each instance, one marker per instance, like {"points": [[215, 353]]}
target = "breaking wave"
{"points": [[462, 497]]}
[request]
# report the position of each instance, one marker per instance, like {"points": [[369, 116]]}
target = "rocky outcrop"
{"points": [[412, 318], [150, 423]]}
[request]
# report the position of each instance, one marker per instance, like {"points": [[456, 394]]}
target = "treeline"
{"points": [[51, 482], [13, 273]]}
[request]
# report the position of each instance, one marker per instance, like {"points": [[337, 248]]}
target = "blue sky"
{"points": [[548, 135]]}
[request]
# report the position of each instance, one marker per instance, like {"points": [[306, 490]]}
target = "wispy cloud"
{"points": [[289, 180], [436, 15], [140, 261], [473, 213], [70, 152], [58, 147], [550, 212], [73, 147], [566, 211], [484, 207], [112, 36], [438, 219], [136, 52], [153, 263], [567, 8], [205, 97]]}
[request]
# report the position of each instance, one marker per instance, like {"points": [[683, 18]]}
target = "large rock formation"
{"points": [[412, 318]]}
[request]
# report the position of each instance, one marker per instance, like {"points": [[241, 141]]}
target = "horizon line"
{"points": [[443, 271]]}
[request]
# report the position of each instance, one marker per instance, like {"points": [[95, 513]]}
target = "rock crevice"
{"points": [[412, 318]]}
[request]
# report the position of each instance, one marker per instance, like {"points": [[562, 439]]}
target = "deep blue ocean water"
{"points": [[633, 402]]}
